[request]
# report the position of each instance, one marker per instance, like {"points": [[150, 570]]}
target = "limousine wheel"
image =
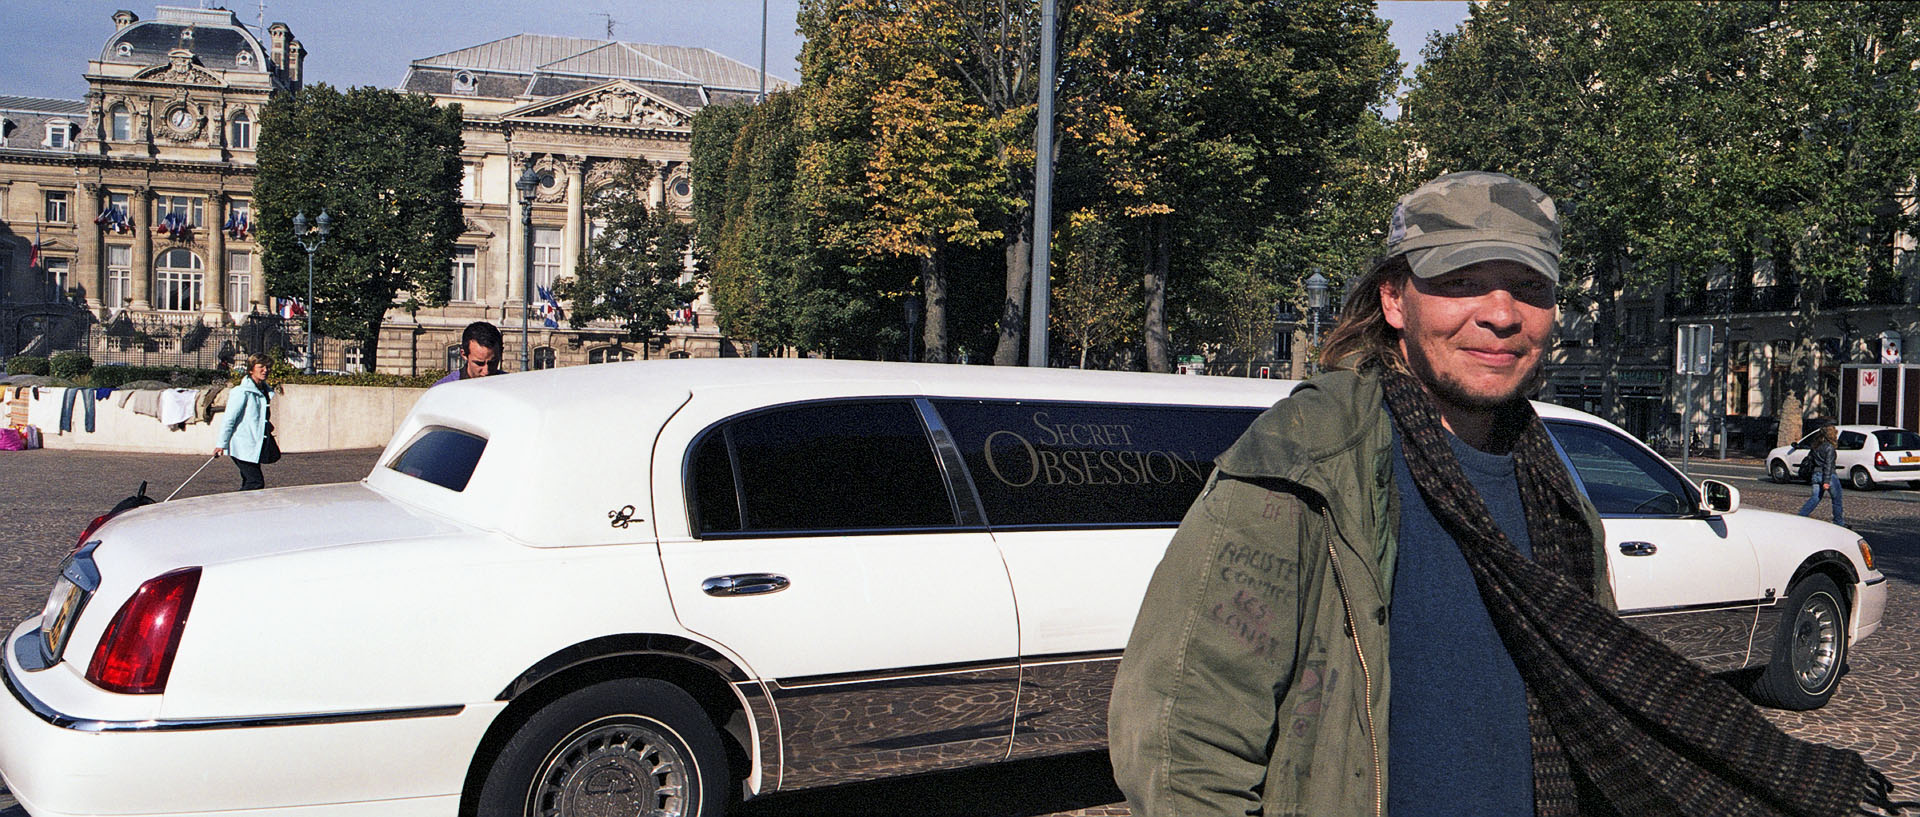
{"points": [[1810, 651], [629, 746], [1777, 470]]}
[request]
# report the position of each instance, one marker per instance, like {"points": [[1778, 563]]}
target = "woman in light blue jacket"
{"points": [[243, 435]]}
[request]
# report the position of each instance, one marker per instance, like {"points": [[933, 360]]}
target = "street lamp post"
{"points": [[1316, 307], [527, 184], [311, 242], [912, 305]]}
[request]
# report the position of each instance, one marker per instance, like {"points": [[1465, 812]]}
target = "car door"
{"points": [[1082, 498], [1691, 580], [826, 551]]}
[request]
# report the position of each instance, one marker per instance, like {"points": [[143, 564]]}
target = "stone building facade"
{"points": [[126, 218], [140, 195], [572, 109]]}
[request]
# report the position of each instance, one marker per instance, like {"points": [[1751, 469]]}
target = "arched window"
{"points": [[120, 124], [463, 82], [177, 281], [123, 50], [609, 354], [543, 357], [243, 59], [241, 127]]}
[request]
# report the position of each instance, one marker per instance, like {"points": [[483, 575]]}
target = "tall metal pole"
{"points": [[528, 182], [310, 250], [526, 234], [1042, 195], [763, 53]]}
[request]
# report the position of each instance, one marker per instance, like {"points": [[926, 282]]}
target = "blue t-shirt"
{"points": [[1457, 735]]}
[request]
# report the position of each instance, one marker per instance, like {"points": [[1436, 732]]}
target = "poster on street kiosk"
{"points": [[1869, 385]]}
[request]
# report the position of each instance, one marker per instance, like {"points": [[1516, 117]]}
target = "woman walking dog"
{"points": [[247, 434]]}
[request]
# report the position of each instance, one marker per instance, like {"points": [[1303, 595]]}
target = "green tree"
{"points": [[1691, 140], [386, 167], [1209, 123], [770, 275], [905, 159], [632, 271], [1094, 300]]}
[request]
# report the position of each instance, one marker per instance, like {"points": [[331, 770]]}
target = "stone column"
{"points": [[88, 255], [141, 202], [572, 239], [657, 189], [214, 293], [515, 265]]}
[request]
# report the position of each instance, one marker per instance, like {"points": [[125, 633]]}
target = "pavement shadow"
{"points": [[1893, 552], [1024, 788]]}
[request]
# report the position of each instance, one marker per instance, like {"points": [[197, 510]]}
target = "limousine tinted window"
{"points": [[819, 467], [1039, 463], [442, 456]]}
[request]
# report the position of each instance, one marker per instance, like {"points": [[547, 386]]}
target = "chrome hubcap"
{"points": [[1816, 643], [615, 767]]}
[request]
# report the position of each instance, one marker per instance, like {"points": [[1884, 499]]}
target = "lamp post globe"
{"points": [[1316, 307]]}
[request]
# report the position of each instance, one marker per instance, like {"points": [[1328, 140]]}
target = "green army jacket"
{"points": [[1255, 681]]}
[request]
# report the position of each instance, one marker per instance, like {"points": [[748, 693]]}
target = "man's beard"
{"points": [[1449, 391]]}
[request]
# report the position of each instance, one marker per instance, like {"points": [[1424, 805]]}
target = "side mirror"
{"points": [[1717, 497]]}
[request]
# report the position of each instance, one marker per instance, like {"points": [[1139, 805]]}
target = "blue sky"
{"points": [[44, 45]]}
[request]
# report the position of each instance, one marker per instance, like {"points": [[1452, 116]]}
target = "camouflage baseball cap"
{"points": [[1465, 218]]}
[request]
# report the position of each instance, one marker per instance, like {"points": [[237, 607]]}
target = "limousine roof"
{"points": [[566, 446], [594, 386]]}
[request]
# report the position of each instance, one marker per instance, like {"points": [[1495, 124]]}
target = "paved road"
{"points": [[46, 497]]}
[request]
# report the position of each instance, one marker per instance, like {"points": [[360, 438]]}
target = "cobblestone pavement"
{"points": [[47, 496]]}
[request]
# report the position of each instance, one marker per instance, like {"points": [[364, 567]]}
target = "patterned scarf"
{"points": [[1621, 724]]}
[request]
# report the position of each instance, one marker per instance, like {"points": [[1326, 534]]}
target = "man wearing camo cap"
{"points": [[1412, 489]]}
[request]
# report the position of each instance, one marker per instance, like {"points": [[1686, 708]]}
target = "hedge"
{"points": [[70, 365], [28, 364], [110, 376]]}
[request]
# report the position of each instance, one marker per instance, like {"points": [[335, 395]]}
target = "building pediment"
{"points": [[620, 104], [182, 68]]}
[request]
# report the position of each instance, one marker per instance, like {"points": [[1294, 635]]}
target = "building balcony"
{"points": [[1777, 299]]}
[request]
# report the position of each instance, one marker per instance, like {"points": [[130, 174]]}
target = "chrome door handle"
{"points": [[1637, 548], [745, 584]]}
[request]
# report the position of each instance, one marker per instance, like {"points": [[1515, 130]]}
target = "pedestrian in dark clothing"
{"points": [[479, 353], [1824, 473]]}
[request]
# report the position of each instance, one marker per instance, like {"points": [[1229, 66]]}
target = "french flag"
{"points": [[549, 308], [291, 308]]}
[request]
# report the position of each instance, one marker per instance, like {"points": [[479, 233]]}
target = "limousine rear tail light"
{"points": [[136, 653]]}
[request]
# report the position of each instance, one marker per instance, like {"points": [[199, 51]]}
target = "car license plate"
{"points": [[1909, 458], [63, 607]]}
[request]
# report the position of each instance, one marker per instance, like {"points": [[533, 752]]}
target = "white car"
{"points": [[1867, 456], [656, 587]]}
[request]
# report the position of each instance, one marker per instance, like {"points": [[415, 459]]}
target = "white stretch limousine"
{"points": [[653, 588]]}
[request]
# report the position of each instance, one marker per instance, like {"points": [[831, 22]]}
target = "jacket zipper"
{"points": [[1366, 675]]}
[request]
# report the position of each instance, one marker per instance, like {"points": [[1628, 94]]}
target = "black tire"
{"points": [[1809, 651], [1860, 480], [628, 746], [1777, 471]]}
